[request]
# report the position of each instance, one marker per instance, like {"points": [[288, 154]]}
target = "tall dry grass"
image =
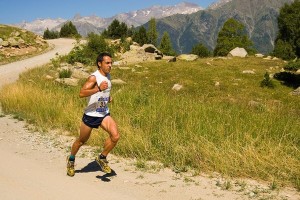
{"points": [[205, 126]]}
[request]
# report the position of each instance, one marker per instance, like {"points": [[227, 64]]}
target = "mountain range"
{"points": [[87, 24], [258, 16], [187, 23]]}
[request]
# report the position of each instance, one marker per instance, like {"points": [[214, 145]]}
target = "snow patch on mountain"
{"points": [[218, 4]]}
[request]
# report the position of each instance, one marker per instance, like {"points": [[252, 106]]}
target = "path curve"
{"points": [[10, 72]]}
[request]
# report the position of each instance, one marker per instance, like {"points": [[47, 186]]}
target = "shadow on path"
{"points": [[93, 167]]}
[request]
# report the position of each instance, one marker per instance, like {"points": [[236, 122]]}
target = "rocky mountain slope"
{"points": [[87, 24], [258, 16]]}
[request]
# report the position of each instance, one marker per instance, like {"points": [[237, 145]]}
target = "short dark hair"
{"points": [[100, 57]]}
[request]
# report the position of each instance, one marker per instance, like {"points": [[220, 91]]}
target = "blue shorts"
{"points": [[93, 122]]}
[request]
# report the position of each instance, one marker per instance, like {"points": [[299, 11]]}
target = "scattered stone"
{"points": [[5, 43], [177, 87], [296, 92], [268, 58], [238, 52], [173, 59], [124, 68], [259, 55], [79, 74], [68, 81], [188, 57], [248, 72], [118, 82], [48, 77]]}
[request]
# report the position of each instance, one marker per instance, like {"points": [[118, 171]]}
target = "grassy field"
{"points": [[222, 120]]}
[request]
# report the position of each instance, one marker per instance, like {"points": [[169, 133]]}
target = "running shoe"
{"points": [[70, 167], [103, 163]]}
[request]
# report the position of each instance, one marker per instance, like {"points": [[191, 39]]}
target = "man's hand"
{"points": [[103, 85]]}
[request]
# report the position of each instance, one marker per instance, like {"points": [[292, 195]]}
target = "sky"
{"points": [[16, 11]]}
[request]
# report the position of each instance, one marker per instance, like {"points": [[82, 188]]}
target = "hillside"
{"points": [[258, 16], [16, 43]]}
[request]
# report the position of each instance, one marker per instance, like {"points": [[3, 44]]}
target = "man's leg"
{"points": [[110, 126], [85, 133]]}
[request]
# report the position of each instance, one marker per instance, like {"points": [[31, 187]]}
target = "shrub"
{"points": [[284, 50], [292, 66], [50, 34], [267, 82], [65, 73], [201, 51], [87, 54]]}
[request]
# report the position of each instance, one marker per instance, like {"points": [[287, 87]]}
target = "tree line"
{"points": [[232, 34]]}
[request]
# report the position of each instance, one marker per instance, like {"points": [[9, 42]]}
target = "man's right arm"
{"points": [[90, 87]]}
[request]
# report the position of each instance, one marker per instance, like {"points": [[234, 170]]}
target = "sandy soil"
{"points": [[33, 165]]}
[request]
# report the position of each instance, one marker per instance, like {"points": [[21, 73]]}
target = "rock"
{"points": [[172, 59], [268, 58], [157, 57], [78, 65], [134, 47], [80, 74], [188, 57], [259, 55], [149, 48], [296, 92], [238, 52], [118, 82], [48, 77], [248, 72], [177, 87], [13, 42], [5, 44], [68, 81]]}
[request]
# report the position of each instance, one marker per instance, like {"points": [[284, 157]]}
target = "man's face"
{"points": [[106, 64]]}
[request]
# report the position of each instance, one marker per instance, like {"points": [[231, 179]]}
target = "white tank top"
{"points": [[98, 102]]}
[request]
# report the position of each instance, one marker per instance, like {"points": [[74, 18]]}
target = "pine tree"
{"points": [[50, 34], [140, 36], [116, 30], [232, 35], [68, 30], [287, 43], [165, 45], [152, 32]]}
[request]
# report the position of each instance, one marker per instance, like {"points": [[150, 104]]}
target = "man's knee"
{"points": [[115, 137]]}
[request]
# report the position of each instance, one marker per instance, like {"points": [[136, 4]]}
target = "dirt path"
{"points": [[33, 164]]}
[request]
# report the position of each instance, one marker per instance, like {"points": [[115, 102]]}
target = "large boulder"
{"points": [[238, 52], [137, 54]]}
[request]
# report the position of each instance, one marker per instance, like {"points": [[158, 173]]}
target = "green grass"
{"points": [[202, 127]]}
